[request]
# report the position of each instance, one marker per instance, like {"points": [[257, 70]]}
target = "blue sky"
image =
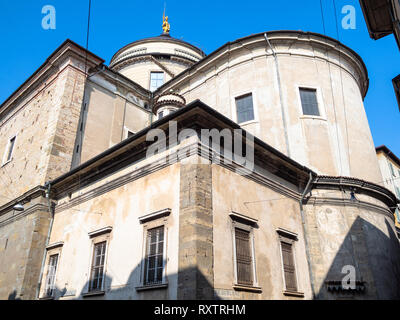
{"points": [[207, 24]]}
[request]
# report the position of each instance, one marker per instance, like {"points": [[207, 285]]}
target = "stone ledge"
{"points": [[293, 293], [152, 287], [93, 294], [241, 287]]}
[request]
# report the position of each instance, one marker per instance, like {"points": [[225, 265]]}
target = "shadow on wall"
{"points": [[191, 283], [368, 257]]}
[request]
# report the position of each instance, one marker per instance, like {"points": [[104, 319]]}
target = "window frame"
{"points": [[127, 131], [291, 238], [320, 101], [240, 94], [52, 250], [97, 237], [151, 221], [239, 221], [7, 156], [156, 71]]}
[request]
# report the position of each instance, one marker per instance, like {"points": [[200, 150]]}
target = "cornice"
{"points": [[276, 37]]}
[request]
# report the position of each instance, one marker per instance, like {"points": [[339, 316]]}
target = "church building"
{"points": [[119, 182]]}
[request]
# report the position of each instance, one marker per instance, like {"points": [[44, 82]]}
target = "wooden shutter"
{"points": [[288, 266], [243, 257], [309, 102]]}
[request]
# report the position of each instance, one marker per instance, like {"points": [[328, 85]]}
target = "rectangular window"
{"points": [[244, 108], [97, 271], [392, 169], [288, 266], [309, 102], [244, 262], [154, 261], [10, 149], [51, 275], [156, 80], [397, 192], [397, 214]]}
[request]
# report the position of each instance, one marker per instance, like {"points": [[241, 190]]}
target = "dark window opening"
{"points": [[244, 108], [309, 102], [11, 148]]}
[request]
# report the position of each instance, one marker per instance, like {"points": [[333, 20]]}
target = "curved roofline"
{"points": [[161, 37], [209, 56]]}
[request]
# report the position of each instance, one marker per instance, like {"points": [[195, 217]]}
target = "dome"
{"points": [[153, 61]]}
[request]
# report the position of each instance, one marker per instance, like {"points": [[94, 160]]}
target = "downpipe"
{"points": [[306, 190], [51, 211]]}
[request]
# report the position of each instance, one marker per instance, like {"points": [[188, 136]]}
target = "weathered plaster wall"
{"points": [[119, 208], [272, 210], [352, 234], [22, 240]]}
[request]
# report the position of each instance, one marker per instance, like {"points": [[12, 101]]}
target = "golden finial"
{"points": [[165, 26]]}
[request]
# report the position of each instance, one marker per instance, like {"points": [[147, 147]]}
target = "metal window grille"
{"points": [[10, 148], [309, 102], [288, 266], [244, 108], [51, 275], [156, 80], [154, 263], [243, 257], [97, 272]]}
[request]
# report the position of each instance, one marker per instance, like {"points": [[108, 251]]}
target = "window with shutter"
{"points": [[309, 102], [97, 271], [51, 275], [154, 262], [243, 257], [244, 108], [288, 266]]}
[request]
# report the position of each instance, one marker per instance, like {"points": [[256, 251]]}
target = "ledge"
{"points": [[242, 218], [293, 293], [152, 287], [55, 245], [287, 234], [93, 294], [99, 232], [46, 298], [155, 215], [241, 287]]}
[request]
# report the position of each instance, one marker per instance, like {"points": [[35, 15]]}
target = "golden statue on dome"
{"points": [[165, 26]]}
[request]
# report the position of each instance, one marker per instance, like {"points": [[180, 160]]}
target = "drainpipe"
{"points": [[51, 211], [280, 95], [306, 190]]}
